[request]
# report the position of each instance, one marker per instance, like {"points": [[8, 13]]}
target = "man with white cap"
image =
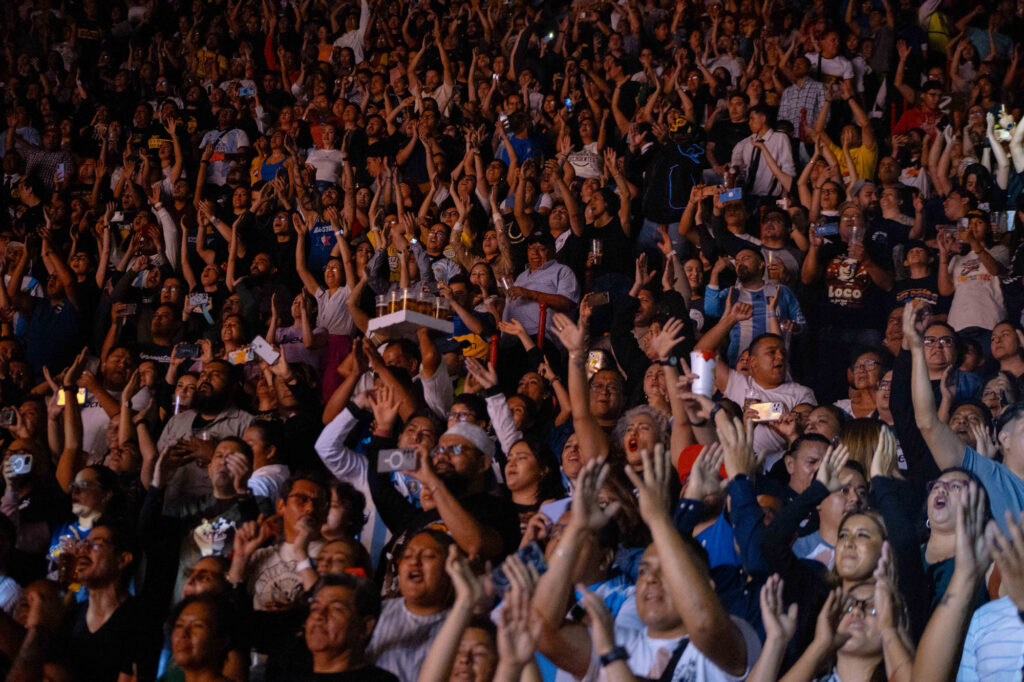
{"points": [[456, 495]]}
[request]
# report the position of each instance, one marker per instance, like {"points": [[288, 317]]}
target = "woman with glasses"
{"points": [[859, 537], [999, 393], [863, 631], [863, 377], [944, 494]]}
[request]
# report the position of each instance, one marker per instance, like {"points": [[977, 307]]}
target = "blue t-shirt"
{"points": [[1004, 488], [321, 242]]}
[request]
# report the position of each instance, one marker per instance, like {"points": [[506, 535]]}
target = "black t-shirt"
{"points": [[852, 300], [103, 655], [924, 288], [726, 135], [616, 249]]}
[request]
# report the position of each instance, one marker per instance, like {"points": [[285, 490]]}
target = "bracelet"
{"points": [[303, 565], [700, 423], [617, 653]]}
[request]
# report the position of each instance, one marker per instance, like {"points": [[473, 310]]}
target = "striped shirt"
{"points": [[994, 648], [746, 331], [351, 467], [401, 639]]}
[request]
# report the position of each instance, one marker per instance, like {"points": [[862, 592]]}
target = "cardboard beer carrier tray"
{"points": [[404, 323]]}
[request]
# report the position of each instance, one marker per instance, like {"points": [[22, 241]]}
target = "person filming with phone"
{"points": [[772, 303]]}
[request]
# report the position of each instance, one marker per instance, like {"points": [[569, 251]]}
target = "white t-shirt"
{"points": [[648, 657], [96, 421], [836, 68], [978, 299], [766, 440], [327, 163], [269, 481], [332, 313], [224, 142], [401, 639]]}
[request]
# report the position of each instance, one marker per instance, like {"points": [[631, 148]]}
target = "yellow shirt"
{"points": [[864, 161]]}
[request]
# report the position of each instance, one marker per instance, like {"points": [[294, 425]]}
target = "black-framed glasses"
{"points": [[866, 606]]}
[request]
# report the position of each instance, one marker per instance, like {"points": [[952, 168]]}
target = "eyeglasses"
{"points": [[949, 486], [460, 416], [450, 450], [944, 341], [866, 606], [93, 545], [304, 499], [885, 385], [82, 485], [865, 366], [171, 287]]}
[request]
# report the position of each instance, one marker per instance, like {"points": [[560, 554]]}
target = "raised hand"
{"points": [[240, 469], [973, 553], [737, 439], [517, 631], [653, 485], [831, 466], [828, 620], [885, 462], [667, 339], [251, 535], [469, 587], [703, 479], [599, 620], [1008, 553], [586, 512], [912, 339], [572, 336], [885, 588], [778, 623], [486, 376], [385, 405], [984, 443]]}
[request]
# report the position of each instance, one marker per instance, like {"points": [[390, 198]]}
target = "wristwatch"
{"points": [[616, 654]]}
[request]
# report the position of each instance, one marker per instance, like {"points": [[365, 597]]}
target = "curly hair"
{"points": [[657, 417]]}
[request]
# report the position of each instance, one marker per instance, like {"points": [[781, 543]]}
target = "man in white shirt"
{"points": [[767, 157], [685, 633], [230, 144], [354, 33], [273, 575], [766, 383]]}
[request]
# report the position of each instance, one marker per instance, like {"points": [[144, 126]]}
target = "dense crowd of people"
{"points": [[673, 340]]}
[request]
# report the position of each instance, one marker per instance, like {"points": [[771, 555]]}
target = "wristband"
{"points": [[1020, 614], [303, 565], [617, 653]]}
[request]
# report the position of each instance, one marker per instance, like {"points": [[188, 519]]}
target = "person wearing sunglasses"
{"points": [[93, 492]]}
